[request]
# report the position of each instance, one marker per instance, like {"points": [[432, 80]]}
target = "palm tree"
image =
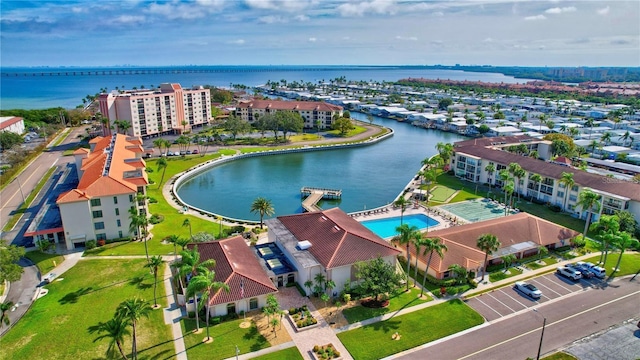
{"points": [[508, 260], [459, 272], [133, 310], [418, 243], [487, 243], [159, 143], [207, 284], [192, 266], [173, 239], [138, 225], [622, 242], [625, 137], [606, 138], [402, 203], [607, 228], [4, 317], [124, 126], [154, 264], [432, 245], [115, 330], [590, 122], [567, 180], [187, 223], [162, 164], [490, 169], [263, 207], [594, 144], [406, 235], [537, 180], [446, 151], [589, 201]]}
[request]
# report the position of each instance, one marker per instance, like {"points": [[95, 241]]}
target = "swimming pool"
{"points": [[386, 227]]}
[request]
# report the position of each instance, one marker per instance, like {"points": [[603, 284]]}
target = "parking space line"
{"points": [[505, 305], [545, 286], [490, 307], [558, 282], [516, 300]]}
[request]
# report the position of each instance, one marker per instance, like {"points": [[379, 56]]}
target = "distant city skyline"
{"points": [[314, 32]]}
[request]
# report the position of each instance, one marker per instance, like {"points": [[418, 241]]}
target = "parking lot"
{"points": [[505, 301]]}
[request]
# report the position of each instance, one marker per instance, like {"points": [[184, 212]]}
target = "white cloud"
{"points": [[237, 42], [535, 17], [560, 10], [129, 19], [603, 11], [312, 39], [365, 7], [438, 13], [283, 5], [271, 19], [487, 40], [171, 11], [301, 18], [78, 10], [411, 38]]}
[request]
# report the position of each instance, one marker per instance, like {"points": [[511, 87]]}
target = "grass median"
{"points": [[375, 341], [29, 199]]}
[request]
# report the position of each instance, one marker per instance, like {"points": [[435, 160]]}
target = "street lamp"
{"points": [[237, 352], [544, 324], [20, 187]]}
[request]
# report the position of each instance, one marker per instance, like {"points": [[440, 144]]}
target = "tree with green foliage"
{"points": [[115, 331], [490, 169], [589, 201], [622, 241], [628, 223], [459, 272], [191, 265], [489, 244], [343, 125], [445, 150], [607, 229], [418, 243], [377, 278], [154, 264], [236, 125], [187, 223], [407, 235], [9, 257], [262, 206], [508, 260], [9, 139], [206, 284], [221, 96], [431, 246], [162, 165], [402, 203], [4, 317], [290, 122], [133, 310], [566, 179], [443, 104]]}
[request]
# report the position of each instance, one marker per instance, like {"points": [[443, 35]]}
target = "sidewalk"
{"points": [[173, 314]]}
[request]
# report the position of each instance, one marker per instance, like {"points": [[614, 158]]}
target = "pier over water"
{"points": [[313, 195]]}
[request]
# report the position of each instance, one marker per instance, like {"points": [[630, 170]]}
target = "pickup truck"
{"points": [[569, 273]]}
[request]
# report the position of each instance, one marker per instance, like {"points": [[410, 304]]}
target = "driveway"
{"points": [[22, 292], [506, 301]]}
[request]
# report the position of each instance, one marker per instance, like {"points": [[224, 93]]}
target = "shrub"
{"points": [[579, 241], [555, 208], [497, 276], [216, 320], [191, 314], [156, 219], [101, 242], [153, 200], [90, 244]]}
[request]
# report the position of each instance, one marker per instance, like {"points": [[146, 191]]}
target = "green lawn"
{"points": [[419, 327], [560, 356], [291, 353], [441, 193], [467, 189], [547, 260], [44, 262], [630, 263], [56, 325], [501, 275], [226, 337], [356, 130], [398, 301]]}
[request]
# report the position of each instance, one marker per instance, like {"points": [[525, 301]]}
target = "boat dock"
{"points": [[313, 195]]}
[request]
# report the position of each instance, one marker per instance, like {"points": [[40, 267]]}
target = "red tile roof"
{"points": [[9, 122], [235, 262], [510, 230], [288, 105], [336, 239]]}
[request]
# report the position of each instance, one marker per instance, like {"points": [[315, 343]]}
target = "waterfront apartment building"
{"points": [[314, 113], [471, 157], [111, 176], [152, 112]]}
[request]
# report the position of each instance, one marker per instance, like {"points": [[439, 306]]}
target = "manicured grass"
{"points": [[534, 265], [398, 301], [44, 262], [304, 137], [453, 183], [227, 152], [501, 275], [25, 205], [544, 212], [441, 193], [357, 130], [291, 353], [560, 356], [56, 325], [419, 327], [630, 263], [226, 337]]}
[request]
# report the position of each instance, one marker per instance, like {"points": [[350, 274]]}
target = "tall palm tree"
{"points": [[406, 235], [418, 243], [590, 122], [173, 239], [606, 138], [594, 144], [488, 243], [192, 266], [567, 180], [187, 223], [133, 310], [124, 126], [4, 317], [206, 283], [607, 229], [263, 207], [154, 264], [138, 225], [432, 245], [402, 203], [159, 143], [162, 164], [490, 169], [459, 271], [115, 330], [622, 242], [446, 151], [589, 201]]}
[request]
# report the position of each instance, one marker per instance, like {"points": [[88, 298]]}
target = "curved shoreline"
{"points": [[180, 178]]}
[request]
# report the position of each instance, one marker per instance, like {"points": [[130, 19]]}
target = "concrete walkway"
{"points": [[173, 314]]}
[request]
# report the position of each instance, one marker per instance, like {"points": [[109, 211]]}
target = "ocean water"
{"points": [[34, 88]]}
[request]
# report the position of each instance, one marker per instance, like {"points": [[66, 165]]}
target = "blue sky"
{"points": [[379, 32]]}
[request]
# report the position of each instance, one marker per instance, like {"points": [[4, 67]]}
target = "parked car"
{"points": [[188, 152], [595, 269], [528, 289], [195, 151], [585, 271], [569, 273]]}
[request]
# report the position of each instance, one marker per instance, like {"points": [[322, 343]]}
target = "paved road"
{"points": [[27, 180], [574, 316], [22, 292]]}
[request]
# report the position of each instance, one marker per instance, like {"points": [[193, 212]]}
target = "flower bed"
{"points": [[326, 352], [302, 319]]}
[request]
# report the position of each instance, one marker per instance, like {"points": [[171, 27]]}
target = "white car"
{"points": [[595, 269], [528, 289], [569, 273]]}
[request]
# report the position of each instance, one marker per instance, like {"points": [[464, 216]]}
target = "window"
{"points": [[231, 308], [98, 225], [130, 197], [253, 303], [101, 236], [120, 234], [95, 202], [117, 211], [118, 223], [97, 214], [115, 199]]}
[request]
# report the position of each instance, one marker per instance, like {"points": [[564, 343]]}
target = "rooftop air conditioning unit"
{"points": [[303, 245]]}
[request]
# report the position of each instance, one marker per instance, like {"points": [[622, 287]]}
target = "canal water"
{"points": [[369, 176]]}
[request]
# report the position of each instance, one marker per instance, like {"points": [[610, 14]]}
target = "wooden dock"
{"points": [[313, 195]]}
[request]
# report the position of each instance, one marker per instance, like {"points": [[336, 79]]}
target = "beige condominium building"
{"points": [[314, 113], [111, 176], [152, 112]]}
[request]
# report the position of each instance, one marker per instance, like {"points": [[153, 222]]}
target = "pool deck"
{"points": [[389, 211]]}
